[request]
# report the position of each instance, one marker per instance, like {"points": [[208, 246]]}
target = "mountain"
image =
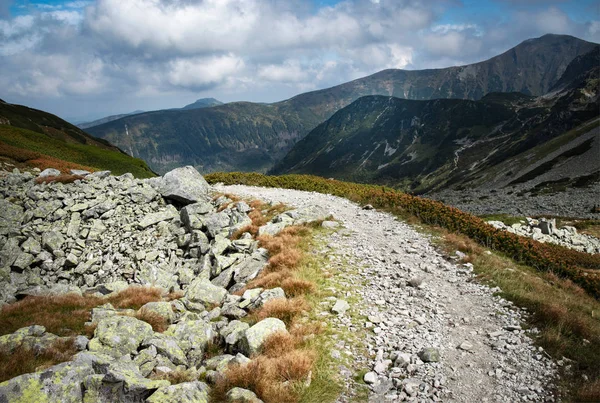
{"points": [[203, 103], [427, 145], [87, 125], [249, 136], [37, 138]]}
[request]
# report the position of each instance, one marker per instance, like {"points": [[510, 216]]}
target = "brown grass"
{"points": [[38, 160], [273, 379], [63, 178], [282, 308], [23, 360], [65, 315], [158, 323]]}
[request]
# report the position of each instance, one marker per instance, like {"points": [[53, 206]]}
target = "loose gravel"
{"points": [[433, 333]]}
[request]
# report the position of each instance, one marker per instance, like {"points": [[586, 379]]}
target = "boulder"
{"points": [[202, 290], [429, 354], [162, 309], [52, 241], [239, 395], [253, 338], [119, 335], [189, 392], [184, 185], [60, 383], [155, 218], [340, 307], [191, 334], [167, 346], [49, 172], [11, 216]]}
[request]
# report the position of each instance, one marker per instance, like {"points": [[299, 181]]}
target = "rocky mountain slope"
{"points": [[502, 139], [34, 138], [203, 103], [106, 119], [249, 136]]}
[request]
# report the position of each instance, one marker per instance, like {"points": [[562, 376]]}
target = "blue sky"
{"points": [[83, 59]]}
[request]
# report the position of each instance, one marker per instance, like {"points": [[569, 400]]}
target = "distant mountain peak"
{"points": [[203, 103]]}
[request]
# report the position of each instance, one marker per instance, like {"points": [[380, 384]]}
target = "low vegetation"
{"points": [[579, 267], [293, 366], [66, 316], [42, 151]]}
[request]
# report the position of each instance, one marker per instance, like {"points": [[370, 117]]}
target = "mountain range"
{"points": [[428, 145], [251, 136]]}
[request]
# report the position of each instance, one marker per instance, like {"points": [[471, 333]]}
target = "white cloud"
{"points": [[263, 50], [203, 72]]}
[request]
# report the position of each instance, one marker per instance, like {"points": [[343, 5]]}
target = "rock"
{"points": [[23, 261], [370, 378], [247, 269], [330, 224], [191, 334], [239, 395], [368, 207], [154, 218], [11, 216], [254, 337], [340, 307], [101, 174], [189, 392], [184, 185], [402, 360], [267, 295], [119, 335], [49, 172], [547, 226], [81, 343], [59, 383], [79, 172], [429, 354], [466, 346], [202, 290], [233, 332], [167, 346], [122, 382], [162, 309], [216, 222], [52, 241], [271, 228]]}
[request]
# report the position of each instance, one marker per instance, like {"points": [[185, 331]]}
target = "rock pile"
{"points": [[100, 235], [545, 230]]}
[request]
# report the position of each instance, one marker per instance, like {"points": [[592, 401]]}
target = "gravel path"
{"points": [[414, 300]]}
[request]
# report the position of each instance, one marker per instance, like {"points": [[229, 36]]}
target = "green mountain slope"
{"points": [[38, 138], [249, 136], [428, 145]]}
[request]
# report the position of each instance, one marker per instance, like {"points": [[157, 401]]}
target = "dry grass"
{"points": [[273, 379], [65, 315], [158, 323], [63, 178], [567, 317], [282, 308], [23, 360]]}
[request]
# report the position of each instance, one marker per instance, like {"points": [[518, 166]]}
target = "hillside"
{"points": [[36, 138], [427, 145], [106, 119], [250, 136]]}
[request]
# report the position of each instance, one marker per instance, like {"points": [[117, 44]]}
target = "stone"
{"points": [[271, 228], [247, 269], [59, 383], [79, 172], [216, 222], [466, 346], [254, 337], [402, 360], [191, 334], [184, 185], [155, 218], [202, 290], [101, 174], [166, 345], [340, 307], [11, 217], [239, 395], [49, 172], [233, 332], [267, 295], [31, 245], [330, 224], [429, 354], [189, 392], [52, 241], [119, 335], [370, 378], [23, 261], [161, 309]]}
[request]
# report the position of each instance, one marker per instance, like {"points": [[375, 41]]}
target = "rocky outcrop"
{"points": [[545, 230], [103, 234]]}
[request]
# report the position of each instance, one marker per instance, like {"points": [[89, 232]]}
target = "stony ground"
{"points": [[432, 333]]}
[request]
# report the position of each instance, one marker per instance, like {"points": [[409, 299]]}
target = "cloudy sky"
{"points": [[86, 59]]}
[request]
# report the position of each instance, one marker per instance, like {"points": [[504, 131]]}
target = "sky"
{"points": [[85, 59]]}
